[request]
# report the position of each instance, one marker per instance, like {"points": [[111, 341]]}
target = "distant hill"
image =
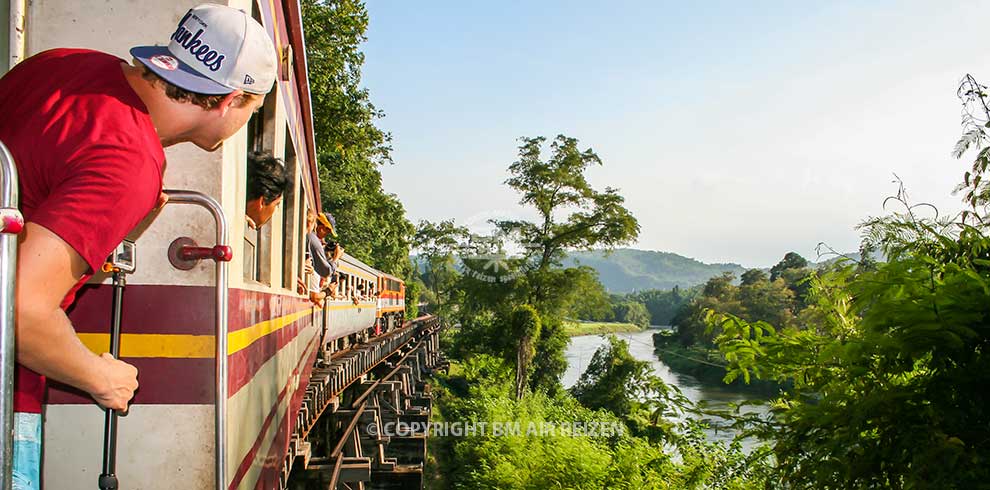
{"points": [[625, 270]]}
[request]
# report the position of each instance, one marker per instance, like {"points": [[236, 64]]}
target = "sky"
{"points": [[736, 131]]}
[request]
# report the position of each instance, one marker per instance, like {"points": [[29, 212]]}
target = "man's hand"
{"points": [[339, 252], [47, 268], [308, 266], [119, 386]]}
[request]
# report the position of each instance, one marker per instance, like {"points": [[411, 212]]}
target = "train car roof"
{"points": [[351, 265]]}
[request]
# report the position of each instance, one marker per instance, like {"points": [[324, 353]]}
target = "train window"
{"points": [[258, 242], [249, 252], [345, 280], [289, 215], [260, 137], [301, 247]]}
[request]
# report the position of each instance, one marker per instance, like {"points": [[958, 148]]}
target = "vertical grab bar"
{"points": [[220, 414], [11, 222]]}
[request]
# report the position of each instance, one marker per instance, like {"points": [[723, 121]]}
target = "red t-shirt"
{"points": [[88, 158]]}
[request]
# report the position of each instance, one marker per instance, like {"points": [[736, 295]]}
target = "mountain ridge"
{"points": [[625, 270]]}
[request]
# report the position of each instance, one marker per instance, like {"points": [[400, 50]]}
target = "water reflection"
{"points": [[583, 348]]}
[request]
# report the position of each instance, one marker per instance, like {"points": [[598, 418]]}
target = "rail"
{"points": [[220, 414], [11, 224]]}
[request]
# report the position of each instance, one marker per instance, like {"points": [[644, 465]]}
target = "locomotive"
{"points": [[224, 343]]}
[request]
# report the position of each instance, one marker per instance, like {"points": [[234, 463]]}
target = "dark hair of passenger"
{"points": [[266, 177], [207, 102]]}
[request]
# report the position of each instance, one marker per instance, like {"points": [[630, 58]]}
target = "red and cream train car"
{"points": [[391, 302], [350, 308], [169, 438]]}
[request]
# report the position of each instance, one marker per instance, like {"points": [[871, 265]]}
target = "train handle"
{"points": [[108, 479], [220, 411], [11, 223]]}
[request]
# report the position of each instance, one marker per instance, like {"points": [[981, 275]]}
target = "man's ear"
{"points": [[233, 99]]}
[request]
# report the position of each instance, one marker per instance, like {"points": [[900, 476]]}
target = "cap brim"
{"points": [[322, 220], [184, 76], [327, 225]]}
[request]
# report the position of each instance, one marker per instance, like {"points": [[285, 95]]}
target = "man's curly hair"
{"points": [[177, 94]]}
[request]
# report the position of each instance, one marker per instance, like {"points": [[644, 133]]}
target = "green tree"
{"points": [[794, 270], [632, 312], [556, 185], [437, 244], [791, 260], [614, 379], [549, 363], [662, 305], [572, 215], [752, 276], [589, 300], [772, 302], [525, 329], [414, 290], [343, 115], [888, 383], [718, 294], [372, 223]]}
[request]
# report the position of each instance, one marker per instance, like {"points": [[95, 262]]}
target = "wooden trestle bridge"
{"points": [[355, 396]]}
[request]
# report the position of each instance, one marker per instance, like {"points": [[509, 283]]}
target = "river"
{"points": [[582, 349]]}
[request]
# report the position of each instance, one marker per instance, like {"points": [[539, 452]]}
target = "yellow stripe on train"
{"points": [[246, 336], [194, 346], [153, 345]]}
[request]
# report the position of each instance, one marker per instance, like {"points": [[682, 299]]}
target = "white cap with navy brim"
{"points": [[215, 50]]}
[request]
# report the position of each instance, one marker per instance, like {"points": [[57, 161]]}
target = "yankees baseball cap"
{"points": [[215, 50]]}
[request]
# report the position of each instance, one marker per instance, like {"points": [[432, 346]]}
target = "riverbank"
{"points": [[706, 365], [576, 328]]}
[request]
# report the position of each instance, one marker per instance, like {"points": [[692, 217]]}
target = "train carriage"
{"points": [[170, 437], [350, 315], [391, 302]]}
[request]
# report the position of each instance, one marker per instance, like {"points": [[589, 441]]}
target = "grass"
{"points": [[576, 328]]}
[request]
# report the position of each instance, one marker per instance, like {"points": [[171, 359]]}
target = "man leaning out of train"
{"points": [[312, 283], [87, 131], [325, 256], [266, 183]]}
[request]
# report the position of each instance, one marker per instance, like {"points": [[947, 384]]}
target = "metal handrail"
{"points": [[11, 223], [220, 414]]}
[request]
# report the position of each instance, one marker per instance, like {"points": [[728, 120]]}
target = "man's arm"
{"points": [[47, 268], [320, 263]]}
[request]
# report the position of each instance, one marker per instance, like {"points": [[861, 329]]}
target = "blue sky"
{"points": [[737, 131]]}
